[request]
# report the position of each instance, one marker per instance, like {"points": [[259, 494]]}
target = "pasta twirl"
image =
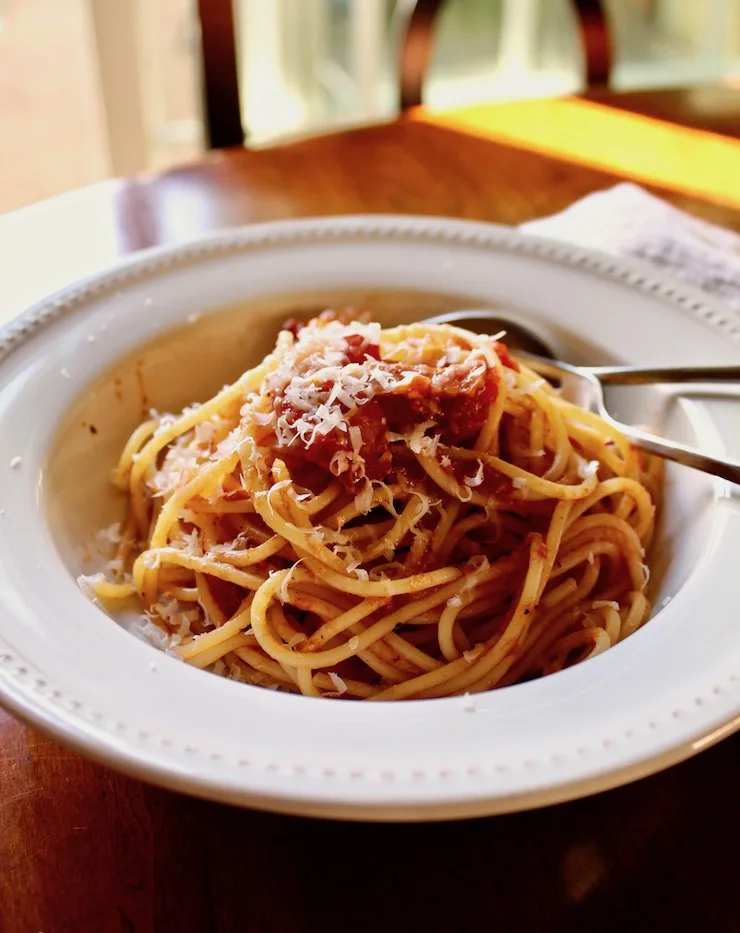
{"points": [[385, 514]]}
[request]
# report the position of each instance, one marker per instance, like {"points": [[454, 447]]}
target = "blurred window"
{"points": [[94, 88]]}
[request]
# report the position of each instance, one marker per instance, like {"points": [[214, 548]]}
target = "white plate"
{"points": [[85, 357]]}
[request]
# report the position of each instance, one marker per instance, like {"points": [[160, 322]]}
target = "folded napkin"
{"points": [[627, 221]]}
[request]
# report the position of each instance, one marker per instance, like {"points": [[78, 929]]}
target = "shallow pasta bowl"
{"points": [[172, 326]]}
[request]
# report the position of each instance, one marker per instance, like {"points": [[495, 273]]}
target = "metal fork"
{"points": [[585, 383]]}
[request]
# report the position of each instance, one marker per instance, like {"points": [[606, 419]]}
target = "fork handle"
{"points": [[678, 453], [635, 375]]}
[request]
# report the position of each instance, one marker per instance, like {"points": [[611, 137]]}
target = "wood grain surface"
{"points": [[711, 107], [85, 849]]}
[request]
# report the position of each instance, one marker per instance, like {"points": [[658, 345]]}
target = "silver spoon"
{"points": [[584, 384], [519, 335]]}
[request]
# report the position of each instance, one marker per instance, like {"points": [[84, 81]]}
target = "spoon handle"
{"points": [[678, 453], [635, 375]]}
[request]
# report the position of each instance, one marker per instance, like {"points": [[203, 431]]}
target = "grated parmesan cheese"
{"points": [[340, 685], [259, 417], [171, 612], [301, 382], [323, 390], [228, 445], [587, 470], [355, 438], [418, 443], [467, 703], [364, 498], [236, 673], [147, 630], [106, 539], [283, 591], [534, 386], [351, 555], [86, 583], [477, 477], [115, 567], [388, 493], [203, 432], [190, 543], [342, 462], [478, 565]]}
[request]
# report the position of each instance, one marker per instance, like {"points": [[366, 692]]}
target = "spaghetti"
{"points": [[384, 514]]}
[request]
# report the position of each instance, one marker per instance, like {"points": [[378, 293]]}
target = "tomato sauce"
{"points": [[374, 448], [456, 397], [502, 352]]}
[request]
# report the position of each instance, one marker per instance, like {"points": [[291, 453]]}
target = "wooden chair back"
{"points": [[417, 45], [223, 116]]}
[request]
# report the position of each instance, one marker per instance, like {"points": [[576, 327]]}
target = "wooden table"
{"points": [[83, 848], [712, 107]]}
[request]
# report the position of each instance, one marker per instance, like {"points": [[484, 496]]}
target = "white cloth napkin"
{"points": [[627, 221]]}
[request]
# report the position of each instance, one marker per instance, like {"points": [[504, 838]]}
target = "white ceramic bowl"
{"points": [[170, 327]]}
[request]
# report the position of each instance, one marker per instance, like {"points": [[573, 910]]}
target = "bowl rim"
{"points": [[52, 718]]}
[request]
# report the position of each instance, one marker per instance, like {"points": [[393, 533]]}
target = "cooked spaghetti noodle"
{"points": [[384, 514]]}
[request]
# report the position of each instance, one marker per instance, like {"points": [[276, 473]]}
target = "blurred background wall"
{"points": [[95, 88]]}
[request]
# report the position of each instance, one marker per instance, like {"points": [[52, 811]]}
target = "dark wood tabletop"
{"points": [[83, 848], [711, 107]]}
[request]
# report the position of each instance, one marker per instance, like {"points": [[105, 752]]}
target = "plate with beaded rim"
{"points": [[172, 325]]}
